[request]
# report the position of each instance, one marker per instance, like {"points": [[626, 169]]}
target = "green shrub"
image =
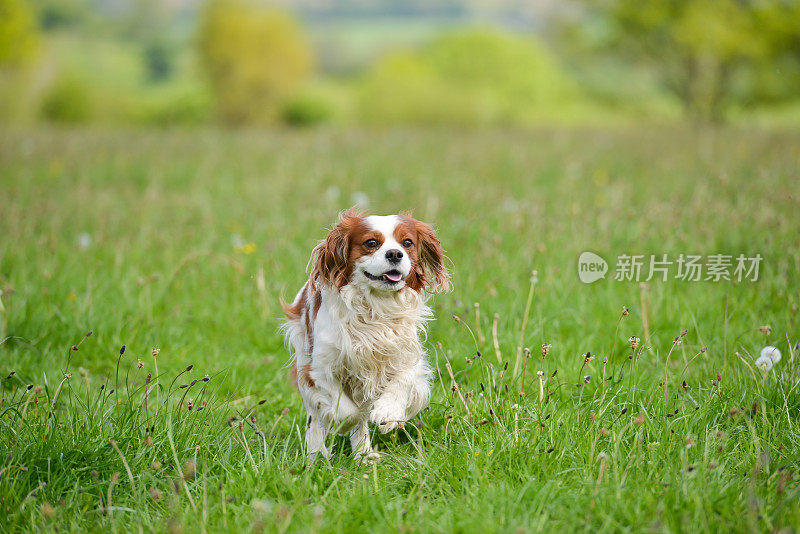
{"points": [[307, 109], [474, 76], [67, 100], [516, 72], [185, 106], [404, 88], [254, 59]]}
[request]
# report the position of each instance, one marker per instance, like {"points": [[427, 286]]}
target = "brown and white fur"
{"points": [[355, 327]]}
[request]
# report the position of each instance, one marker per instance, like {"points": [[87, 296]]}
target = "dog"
{"points": [[355, 328]]}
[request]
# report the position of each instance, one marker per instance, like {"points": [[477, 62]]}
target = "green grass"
{"points": [[162, 265]]}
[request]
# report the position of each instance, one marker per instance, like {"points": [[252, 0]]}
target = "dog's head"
{"points": [[385, 253]]}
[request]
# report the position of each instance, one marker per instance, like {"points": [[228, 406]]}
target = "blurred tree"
{"points": [[702, 47], [157, 60], [55, 14], [18, 33], [254, 58], [468, 76], [516, 69]]}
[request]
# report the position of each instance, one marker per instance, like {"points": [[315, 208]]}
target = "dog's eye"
{"points": [[408, 243], [371, 243]]}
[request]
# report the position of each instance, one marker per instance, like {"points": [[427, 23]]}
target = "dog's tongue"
{"points": [[394, 277]]}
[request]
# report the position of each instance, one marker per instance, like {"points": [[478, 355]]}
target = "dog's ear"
{"points": [[331, 257], [431, 269]]}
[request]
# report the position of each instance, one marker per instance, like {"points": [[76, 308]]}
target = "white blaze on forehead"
{"points": [[384, 224], [377, 265]]}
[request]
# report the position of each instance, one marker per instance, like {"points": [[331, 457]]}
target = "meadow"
{"points": [[172, 248]]}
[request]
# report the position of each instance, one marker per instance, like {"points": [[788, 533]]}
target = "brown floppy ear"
{"points": [[332, 256], [431, 258]]}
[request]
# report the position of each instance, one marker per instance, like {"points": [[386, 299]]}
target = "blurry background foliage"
{"points": [[710, 54], [483, 76], [254, 58], [67, 100], [300, 62], [19, 45], [18, 35]]}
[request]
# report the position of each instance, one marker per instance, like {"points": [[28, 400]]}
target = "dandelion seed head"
{"points": [[772, 353], [764, 363], [84, 240]]}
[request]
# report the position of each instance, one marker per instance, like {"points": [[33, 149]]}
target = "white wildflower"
{"points": [[360, 198], [84, 240], [332, 194], [237, 241], [772, 353], [764, 363]]}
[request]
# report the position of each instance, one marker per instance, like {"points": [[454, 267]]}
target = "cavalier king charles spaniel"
{"points": [[355, 328]]}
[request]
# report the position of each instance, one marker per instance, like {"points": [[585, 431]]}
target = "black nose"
{"points": [[394, 255]]}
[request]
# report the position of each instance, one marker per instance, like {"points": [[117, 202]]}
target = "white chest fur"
{"points": [[369, 337]]}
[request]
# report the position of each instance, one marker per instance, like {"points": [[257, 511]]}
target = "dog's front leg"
{"points": [[407, 394], [329, 408], [361, 444], [316, 431]]}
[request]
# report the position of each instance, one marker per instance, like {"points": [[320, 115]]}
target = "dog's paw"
{"points": [[387, 415]]}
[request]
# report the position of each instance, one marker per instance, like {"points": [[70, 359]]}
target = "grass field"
{"points": [[184, 241]]}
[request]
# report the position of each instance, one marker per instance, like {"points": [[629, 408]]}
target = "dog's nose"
{"points": [[394, 255]]}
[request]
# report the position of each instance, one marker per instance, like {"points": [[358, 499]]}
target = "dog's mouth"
{"points": [[389, 277]]}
